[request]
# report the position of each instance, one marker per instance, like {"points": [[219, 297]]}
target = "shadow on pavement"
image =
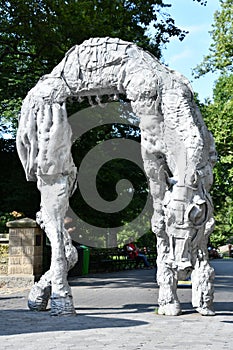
{"points": [[224, 306], [225, 282], [122, 279], [11, 297], [26, 322], [125, 309]]}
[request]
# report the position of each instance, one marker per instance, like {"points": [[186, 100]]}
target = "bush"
{"points": [[4, 249], [5, 217]]}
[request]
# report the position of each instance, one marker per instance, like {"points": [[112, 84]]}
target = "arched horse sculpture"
{"points": [[178, 154]]}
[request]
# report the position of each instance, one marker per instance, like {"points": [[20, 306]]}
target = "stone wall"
{"points": [[25, 248]]}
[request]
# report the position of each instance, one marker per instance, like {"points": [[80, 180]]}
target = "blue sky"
{"points": [[185, 55]]}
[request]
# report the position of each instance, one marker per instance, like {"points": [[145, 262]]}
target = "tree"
{"points": [[221, 49], [15, 192], [219, 118], [35, 34], [107, 178]]}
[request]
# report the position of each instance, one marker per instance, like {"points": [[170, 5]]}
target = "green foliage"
{"points": [[4, 257], [4, 249], [219, 119], [148, 240], [221, 49], [9, 112], [5, 217], [35, 34], [15, 192], [108, 176], [140, 232]]}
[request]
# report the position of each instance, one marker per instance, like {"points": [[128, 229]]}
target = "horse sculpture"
{"points": [[177, 150]]}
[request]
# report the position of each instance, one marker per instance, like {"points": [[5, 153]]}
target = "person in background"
{"points": [[135, 254]]}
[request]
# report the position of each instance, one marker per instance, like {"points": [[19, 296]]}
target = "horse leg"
{"points": [[203, 275], [203, 288], [40, 292], [167, 280], [54, 203], [166, 272], [158, 173]]}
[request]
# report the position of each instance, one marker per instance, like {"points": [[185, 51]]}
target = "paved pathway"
{"points": [[116, 311]]}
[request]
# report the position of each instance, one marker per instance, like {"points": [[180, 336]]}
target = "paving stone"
{"points": [[117, 311]]}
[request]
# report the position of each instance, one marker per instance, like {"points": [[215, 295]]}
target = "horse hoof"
{"points": [[38, 298], [205, 311], [170, 309], [62, 306]]}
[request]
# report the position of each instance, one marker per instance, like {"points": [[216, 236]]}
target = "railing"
{"points": [[115, 259]]}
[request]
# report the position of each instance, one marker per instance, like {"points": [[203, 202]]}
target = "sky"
{"points": [[185, 55]]}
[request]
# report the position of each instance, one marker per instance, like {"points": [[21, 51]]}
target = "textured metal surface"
{"points": [[177, 149]]}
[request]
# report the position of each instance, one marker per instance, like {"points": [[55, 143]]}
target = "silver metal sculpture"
{"points": [[178, 153]]}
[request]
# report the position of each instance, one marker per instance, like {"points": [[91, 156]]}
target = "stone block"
{"points": [[25, 247], [14, 251], [20, 269], [27, 260], [15, 260]]}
